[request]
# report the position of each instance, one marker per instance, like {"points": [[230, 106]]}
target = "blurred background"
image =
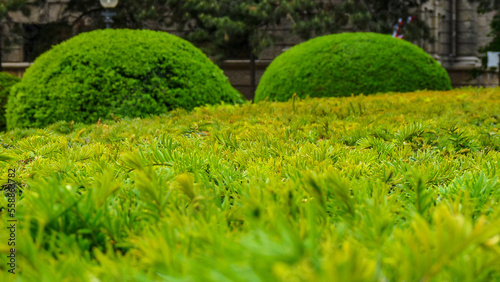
{"points": [[243, 37]]}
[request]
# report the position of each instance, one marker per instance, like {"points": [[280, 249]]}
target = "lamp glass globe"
{"points": [[109, 3]]}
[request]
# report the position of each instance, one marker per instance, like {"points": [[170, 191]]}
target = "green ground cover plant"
{"points": [[6, 82], [344, 64], [392, 187], [133, 73]]}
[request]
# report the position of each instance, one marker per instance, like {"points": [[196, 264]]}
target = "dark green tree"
{"points": [[494, 45], [223, 28], [242, 29]]}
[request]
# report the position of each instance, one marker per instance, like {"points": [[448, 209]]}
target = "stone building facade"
{"points": [[459, 31], [41, 14]]}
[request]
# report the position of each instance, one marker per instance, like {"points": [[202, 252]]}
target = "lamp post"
{"points": [[107, 14]]}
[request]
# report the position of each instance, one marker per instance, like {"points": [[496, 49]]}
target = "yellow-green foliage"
{"points": [[371, 188]]}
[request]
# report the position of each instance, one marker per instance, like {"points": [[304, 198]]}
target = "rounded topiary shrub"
{"points": [[131, 73], [351, 63], [6, 82]]}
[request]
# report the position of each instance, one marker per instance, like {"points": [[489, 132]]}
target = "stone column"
{"points": [[459, 32], [467, 31]]}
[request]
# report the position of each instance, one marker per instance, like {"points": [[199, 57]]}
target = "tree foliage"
{"points": [[494, 45], [239, 29], [223, 28]]}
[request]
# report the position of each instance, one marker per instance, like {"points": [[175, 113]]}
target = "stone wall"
{"points": [[42, 12], [459, 32]]}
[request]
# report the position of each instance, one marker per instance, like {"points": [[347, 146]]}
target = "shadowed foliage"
{"points": [[6, 82]]}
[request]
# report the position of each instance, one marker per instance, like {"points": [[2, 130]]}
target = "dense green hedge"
{"points": [[351, 63], [409, 190], [130, 73], [6, 82]]}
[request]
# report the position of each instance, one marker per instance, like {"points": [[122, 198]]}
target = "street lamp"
{"points": [[107, 14]]}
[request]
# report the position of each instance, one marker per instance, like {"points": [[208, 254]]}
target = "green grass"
{"points": [[393, 187]]}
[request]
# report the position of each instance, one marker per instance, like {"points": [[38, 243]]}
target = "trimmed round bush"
{"points": [[6, 82], [351, 63], [128, 73]]}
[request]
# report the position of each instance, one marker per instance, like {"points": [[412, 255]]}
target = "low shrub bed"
{"points": [[393, 187]]}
